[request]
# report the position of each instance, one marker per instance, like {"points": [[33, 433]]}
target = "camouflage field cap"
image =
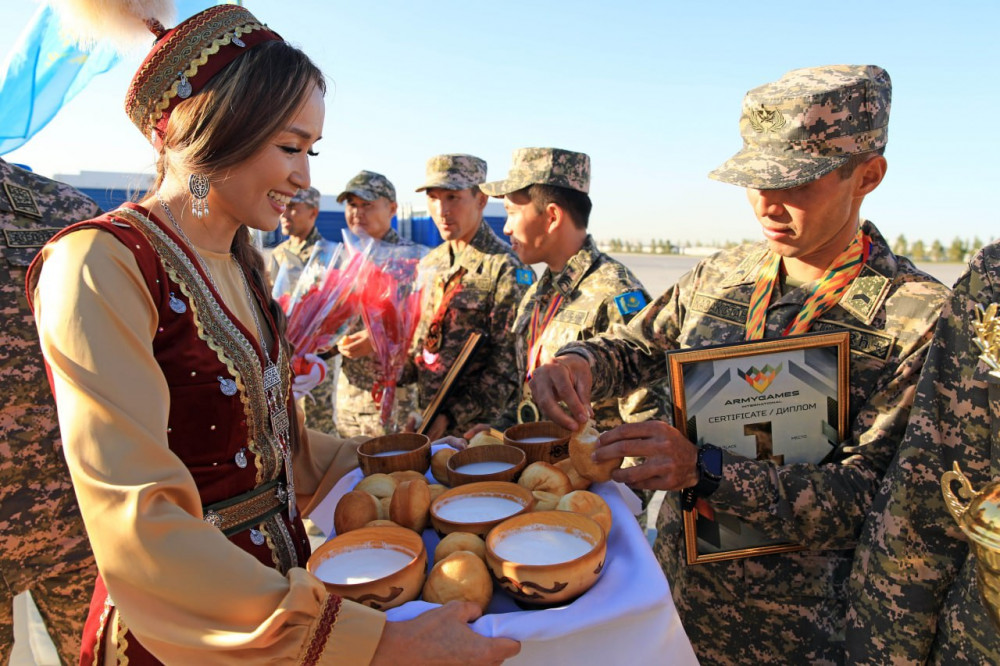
{"points": [[454, 172], [808, 123], [544, 166], [309, 196], [369, 186]]}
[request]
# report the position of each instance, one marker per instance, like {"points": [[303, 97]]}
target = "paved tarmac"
{"points": [[32, 645]]}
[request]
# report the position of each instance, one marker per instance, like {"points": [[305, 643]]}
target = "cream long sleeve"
{"points": [[183, 589]]}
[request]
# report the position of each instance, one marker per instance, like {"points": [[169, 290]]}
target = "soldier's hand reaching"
{"points": [[564, 379], [671, 461], [355, 345]]}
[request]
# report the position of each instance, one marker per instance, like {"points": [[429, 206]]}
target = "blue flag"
{"points": [[42, 73]]}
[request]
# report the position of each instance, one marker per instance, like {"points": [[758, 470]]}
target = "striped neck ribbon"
{"points": [[537, 327], [827, 292]]}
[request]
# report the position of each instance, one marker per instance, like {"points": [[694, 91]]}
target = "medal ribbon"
{"points": [[825, 295], [536, 328], [447, 288]]}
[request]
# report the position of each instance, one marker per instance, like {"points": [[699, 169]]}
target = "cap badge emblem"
{"points": [[764, 120]]}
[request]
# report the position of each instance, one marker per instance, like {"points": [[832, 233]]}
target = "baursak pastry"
{"points": [[579, 482], [582, 444], [457, 541], [544, 501], [436, 490], [545, 476], [355, 509], [379, 485], [588, 504], [461, 576], [383, 507], [439, 464], [482, 438], [410, 505], [381, 523], [407, 475]]}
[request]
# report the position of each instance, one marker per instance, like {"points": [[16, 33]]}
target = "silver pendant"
{"points": [[213, 519], [239, 42], [177, 305], [256, 537], [282, 493], [184, 87], [241, 458], [272, 377], [227, 386]]}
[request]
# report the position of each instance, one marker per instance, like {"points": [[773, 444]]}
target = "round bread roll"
{"points": [[383, 507], [436, 490], [457, 541], [439, 464], [588, 504], [381, 523], [407, 475], [578, 482], [482, 438], [410, 505], [544, 501], [379, 485], [581, 445], [461, 576], [545, 476], [355, 509]]}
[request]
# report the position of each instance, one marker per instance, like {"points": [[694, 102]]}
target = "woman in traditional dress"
{"points": [[174, 388]]}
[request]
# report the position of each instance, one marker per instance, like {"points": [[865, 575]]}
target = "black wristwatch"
{"points": [[709, 476]]}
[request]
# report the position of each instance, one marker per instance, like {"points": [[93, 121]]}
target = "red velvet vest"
{"points": [[220, 430]]}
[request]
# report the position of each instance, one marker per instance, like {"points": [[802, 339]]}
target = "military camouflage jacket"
{"points": [[294, 254], [485, 301], [786, 607], [41, 531], [357, 377], [597, 293], [913, 594]]}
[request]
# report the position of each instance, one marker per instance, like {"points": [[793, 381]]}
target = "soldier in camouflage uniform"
{"points": [[478, 282], [913, 596], [42, 539], [371, 204], [812, 144], [583, 291], [298, 222]]}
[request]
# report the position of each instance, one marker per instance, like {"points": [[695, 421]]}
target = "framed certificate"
{"points": [[783, 400], [449, 379]]}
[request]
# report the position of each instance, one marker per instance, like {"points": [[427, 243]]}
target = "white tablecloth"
{"points": [[627, 617]]}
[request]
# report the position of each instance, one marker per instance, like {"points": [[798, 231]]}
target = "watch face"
{"points": [[711, 460]]}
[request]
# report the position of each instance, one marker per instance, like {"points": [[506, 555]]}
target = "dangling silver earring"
{"points": [[199, 185]]}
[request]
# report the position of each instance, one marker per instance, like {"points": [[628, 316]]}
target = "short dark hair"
{"points": [[846, 170], [577, 204]]}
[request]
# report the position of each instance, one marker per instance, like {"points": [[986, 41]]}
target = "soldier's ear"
{"points": [[872, 173], [555, 217]]}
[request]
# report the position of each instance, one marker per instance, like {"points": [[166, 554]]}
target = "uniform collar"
{"points": [[568, 279], [863, 299], [471, 257]]}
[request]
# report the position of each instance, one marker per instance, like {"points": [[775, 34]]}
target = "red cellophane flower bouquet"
{"points": [[324, 301], [389, 299]]}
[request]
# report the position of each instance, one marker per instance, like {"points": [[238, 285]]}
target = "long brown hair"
{"points": [[228, 121]]}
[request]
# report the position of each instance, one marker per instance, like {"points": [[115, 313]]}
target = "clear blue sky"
{"points": [[651, 90]]}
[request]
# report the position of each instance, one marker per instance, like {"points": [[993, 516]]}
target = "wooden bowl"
{"points": [[462, 517], [407, 450], [487, 453], [390, 589], [541, 441], [539, 534]]}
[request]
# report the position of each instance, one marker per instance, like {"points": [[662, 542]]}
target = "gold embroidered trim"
{"points": [[121, 638], [258, 505], [195, 65], [231, 346], [283, 551], [101, 622]]}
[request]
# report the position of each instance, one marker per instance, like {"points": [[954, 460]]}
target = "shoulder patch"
{"points": [[21, 199], [525, 276], [630, 301]]}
